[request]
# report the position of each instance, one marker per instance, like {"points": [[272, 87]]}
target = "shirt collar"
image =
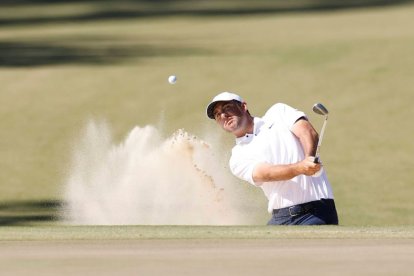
{"points": [[247, 138]]}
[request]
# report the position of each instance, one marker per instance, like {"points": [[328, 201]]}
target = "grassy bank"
{"points": [[106, 233]]}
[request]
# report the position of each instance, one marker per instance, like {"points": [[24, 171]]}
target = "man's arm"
{"points": [[265, 172], [307, 136]]}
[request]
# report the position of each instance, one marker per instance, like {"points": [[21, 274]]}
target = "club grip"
{"points": [[316, 160]]}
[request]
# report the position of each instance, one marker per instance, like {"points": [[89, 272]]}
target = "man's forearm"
{"points": [[268, 172], [265, 172]]}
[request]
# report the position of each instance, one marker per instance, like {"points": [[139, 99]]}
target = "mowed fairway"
{"points": [[205, 257], [172, 250]]}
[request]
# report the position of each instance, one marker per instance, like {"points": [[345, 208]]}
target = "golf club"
{"points": [[318, 108]]}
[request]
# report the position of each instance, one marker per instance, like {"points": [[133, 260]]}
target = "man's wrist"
{"points": [[298, 169]]}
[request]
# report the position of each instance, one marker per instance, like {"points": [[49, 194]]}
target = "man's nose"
{"points": [[223, 115]]}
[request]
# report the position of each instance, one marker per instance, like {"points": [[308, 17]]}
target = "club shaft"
{"points": [[320, 139]]}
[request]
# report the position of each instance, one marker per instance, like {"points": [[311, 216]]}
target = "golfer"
{"points": [[275, 153]]}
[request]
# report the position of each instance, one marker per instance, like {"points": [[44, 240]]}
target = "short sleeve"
{"points": [[285, 114], [243, 167]]}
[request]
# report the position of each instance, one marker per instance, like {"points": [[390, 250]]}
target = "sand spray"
{"points": [[149, 180]]}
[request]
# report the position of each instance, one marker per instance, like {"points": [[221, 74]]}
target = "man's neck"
{"points": [[247, 129]]}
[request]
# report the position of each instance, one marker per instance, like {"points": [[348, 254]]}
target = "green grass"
{"points": [[55, 233], [55, 75]]}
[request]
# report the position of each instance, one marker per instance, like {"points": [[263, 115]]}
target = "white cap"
{"points": [[222, 97]]}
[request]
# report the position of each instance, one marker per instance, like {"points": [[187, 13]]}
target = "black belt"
{"points": [[296, 210]]}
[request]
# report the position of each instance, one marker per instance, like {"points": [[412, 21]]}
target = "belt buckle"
{"points": [[295, 213]]}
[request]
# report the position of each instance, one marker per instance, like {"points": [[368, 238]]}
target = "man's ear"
{"points": [[244, 106]]}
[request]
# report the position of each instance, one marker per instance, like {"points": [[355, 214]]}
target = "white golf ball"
{"points": [[172, 79]]}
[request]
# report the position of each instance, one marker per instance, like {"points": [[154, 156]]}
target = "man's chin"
{"points": [[230, 128]]}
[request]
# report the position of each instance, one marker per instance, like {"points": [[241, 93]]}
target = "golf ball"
{"points": [[172, 79]]}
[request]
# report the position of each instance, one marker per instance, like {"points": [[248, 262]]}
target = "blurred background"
{"points": [[63, 63]]}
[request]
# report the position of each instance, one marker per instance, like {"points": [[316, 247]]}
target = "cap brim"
{"points": [[222, 97], [210, 110]]}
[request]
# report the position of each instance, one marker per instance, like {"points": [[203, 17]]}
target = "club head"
{"points": [[320, 109]]}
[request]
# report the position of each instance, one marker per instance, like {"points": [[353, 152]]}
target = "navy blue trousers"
{"points": [[321, 212]]}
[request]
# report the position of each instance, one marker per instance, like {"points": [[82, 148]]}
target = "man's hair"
{"points": [[240, 104]]}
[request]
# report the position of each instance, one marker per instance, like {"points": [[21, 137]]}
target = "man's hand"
{"points": [[308, 166]]}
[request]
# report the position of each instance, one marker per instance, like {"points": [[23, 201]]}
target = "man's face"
{"points": [[231, 116]]}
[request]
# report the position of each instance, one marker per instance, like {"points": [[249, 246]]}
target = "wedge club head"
{"points": [[320, 109]]}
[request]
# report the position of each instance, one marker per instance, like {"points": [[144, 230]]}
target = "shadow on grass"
{"points": [[127, 9], [109, 50], [59, 52], [16, 213]]}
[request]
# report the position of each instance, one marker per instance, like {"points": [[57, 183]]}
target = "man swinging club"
{"points": [[276, 152]]}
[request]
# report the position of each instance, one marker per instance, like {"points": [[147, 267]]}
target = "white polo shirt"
{"points": [[273, 142]]}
